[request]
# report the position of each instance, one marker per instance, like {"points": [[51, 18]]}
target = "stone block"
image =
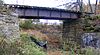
{"points": [[9, 27]]}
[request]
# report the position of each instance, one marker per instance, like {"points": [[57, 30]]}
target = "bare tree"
{"points": [[96, 6]]}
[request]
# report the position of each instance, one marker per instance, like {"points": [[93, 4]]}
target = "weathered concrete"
{"points": [[9, 26]]}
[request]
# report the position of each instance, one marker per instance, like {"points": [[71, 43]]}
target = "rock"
{"points": [[9, 27]]}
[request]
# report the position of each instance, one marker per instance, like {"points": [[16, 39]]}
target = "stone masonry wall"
{"points": [[9, 27], [72, 30]]}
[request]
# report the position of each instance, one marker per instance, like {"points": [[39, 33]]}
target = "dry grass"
{"points": [[54, 53]]}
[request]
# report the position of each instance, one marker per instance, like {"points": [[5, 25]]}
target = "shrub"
{"points": [[23, 46], [9, 48], [92, 51], [26, 25], [30, 48]]}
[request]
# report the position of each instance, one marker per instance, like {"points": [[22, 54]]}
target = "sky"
{"points": [[44, 3]]}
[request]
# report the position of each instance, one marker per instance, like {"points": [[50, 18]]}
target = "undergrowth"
{"points": [[23, 46]]}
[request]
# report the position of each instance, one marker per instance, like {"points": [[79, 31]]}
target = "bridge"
{"points": [[33, 12], [71, 27]]}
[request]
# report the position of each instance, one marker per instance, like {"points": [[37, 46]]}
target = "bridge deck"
{"points": [[33, 12]]}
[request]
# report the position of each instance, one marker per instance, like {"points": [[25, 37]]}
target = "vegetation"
{"points": [[92, 51], [91, 24], [85, 51], [29, 47], [27, 24], [23, 46]]}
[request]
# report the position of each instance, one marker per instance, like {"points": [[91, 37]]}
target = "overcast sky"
{"points": [[43, 3]]}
